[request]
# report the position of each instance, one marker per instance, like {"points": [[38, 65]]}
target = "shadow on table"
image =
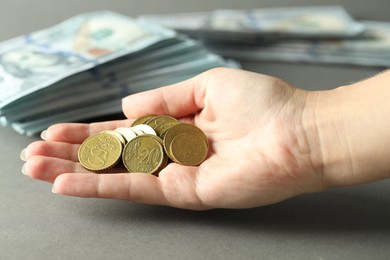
{"points": [[342, 210]]}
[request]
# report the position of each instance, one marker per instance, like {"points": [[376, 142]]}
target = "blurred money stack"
{"points": [[81, 68], [322, 34]]}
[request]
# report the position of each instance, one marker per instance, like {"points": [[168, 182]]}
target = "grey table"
{"points": [[344, 223]]}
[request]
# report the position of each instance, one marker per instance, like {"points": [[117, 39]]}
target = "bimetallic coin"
{"points": [[186, 144], [142, 120], [143, 154], [144, 129], [159, 120], [127, 133], [100, 152]]}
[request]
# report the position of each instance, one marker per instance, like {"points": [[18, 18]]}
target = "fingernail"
{"points": [[43, 134], [24, 169], [53, 189], [23, 155]]}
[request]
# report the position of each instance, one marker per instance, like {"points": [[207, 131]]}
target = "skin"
{"points": [[269, 141]]}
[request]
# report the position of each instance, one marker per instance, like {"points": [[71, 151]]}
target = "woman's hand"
{"points": [[260, 150]]}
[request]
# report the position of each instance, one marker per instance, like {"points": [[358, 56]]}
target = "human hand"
{"points": [[259, 153]]}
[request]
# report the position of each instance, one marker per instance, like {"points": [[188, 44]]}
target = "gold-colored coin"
{"points": [[142, 148], [100, 152], [163, 164], [156, 138], [186, 144], [159, 120], [142, 120], [161, 129], [145, 153], [165, 158]]}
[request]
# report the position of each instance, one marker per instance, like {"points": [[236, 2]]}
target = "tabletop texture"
{"points": [[343, 223]]}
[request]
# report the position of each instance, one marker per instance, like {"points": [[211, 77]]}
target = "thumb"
{"points": [[177, 100]]}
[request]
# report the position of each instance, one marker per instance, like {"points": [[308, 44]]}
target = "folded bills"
{"points": [[83, 67]]}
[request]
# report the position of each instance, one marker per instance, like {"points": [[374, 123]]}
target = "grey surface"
{"points": [[344, 223]]}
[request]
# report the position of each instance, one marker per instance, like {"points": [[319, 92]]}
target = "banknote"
{"points": [[255, 24], [83, 67], [33, 127], [371, 49], [112, 105], [180, 21], [106, 74], [124, 85], [181, 54], [323, 21], [40, 59]]}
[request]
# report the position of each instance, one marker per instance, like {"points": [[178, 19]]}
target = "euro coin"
{"points": [[117, 135], [136, 130], [127, 133], [100, 152], [144, 153], [161, 129], [142, 120], [165, 158], [163, 164], [159, 120], [144, 129], [186, 144], [146, 146]]}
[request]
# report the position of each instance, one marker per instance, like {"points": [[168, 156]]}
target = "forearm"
{"points": [[350, 131]]}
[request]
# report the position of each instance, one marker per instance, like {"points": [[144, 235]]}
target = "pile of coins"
{"points": [[147, 146]]}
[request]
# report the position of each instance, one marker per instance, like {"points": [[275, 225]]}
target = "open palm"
{"points": [[258, 153]]}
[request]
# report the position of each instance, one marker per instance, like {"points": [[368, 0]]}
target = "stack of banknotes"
{"points": [[83, 67], [320, 34]]}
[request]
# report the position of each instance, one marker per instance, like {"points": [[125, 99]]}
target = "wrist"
{"points": [[348, 132], [323, 121]]}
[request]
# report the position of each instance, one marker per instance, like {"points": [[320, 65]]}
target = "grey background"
{"points": [[344, 223]]}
